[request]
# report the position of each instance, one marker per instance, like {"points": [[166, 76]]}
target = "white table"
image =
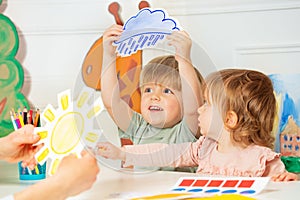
{"points": [[113, 184]]}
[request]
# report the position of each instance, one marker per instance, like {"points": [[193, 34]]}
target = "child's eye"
{"points": [[148, 90], [168, 91]]}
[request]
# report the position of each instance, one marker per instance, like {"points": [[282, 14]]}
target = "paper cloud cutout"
{"points": [[145, 30]]}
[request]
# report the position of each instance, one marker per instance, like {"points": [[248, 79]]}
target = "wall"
{"points": [[55, 36]]}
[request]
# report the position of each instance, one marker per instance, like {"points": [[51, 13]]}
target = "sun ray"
{"points": [[64, 99], [49, 113], [97, 108], [42, 155], [53, 166], [42, 132], [91, 137], [82, 99]]}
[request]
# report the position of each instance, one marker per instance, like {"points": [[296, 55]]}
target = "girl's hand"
{"points": [[110, 35], [182, 43], [286, 176], [108, 150]]}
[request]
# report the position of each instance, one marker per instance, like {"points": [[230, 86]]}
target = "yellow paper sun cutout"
{"points": [[69, 128]]}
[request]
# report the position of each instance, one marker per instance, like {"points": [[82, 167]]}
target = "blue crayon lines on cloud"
{"points": [[145, 30]]}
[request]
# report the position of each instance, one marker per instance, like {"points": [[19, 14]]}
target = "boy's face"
{"points": [[161, 106]]}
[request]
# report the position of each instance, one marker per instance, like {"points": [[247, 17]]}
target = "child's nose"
{"points": [[155, 96]]}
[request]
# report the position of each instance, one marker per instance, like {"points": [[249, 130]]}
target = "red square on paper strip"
{"points": [[187, 182], [230, 183], [200, 183], [215, 183], [246, 183]]}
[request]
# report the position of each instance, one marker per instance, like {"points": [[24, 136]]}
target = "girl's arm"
{"points": [[119, 110], [191, 86], [154, 154]]}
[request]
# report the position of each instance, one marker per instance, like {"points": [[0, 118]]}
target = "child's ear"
{"points": [[231, 119]]}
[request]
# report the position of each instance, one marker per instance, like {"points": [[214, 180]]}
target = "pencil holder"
{"points": [[38, 173]]}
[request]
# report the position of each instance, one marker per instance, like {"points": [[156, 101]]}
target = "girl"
{"points": [[236, 122]]}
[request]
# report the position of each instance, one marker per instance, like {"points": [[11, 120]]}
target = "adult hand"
{"points": [[19, 145], [76, 174], [73, 176]]}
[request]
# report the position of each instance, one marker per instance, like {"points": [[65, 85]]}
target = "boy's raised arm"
{"points": [[192, 95], [119, 110]]}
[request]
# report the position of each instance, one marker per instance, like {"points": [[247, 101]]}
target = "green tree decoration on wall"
{"points": [[11, 74]]}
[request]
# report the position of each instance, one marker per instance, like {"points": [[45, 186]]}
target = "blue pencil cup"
{"points": [[38, 173]]}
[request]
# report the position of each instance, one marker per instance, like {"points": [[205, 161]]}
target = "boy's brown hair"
{"points": [[164, 70]]}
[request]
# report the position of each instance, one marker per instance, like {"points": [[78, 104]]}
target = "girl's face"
{"points": [[210, 121], [161, 106], [204, 119]]}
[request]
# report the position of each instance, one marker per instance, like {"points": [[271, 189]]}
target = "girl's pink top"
{"points": [[252, 161]]}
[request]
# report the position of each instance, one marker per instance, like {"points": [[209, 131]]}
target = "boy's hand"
{"points": [[110, 35], [108, 150], [182, 43], [19, 145], [286, 176]]}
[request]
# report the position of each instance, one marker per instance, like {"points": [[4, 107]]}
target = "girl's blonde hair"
{"points": [[250, 95], [164, 70]]}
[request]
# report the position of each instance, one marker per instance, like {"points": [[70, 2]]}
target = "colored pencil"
{"points": [[20, 116], [37, 118], [17, 119], [25, 115], [13, 120], [37, 171], [30, 114]]}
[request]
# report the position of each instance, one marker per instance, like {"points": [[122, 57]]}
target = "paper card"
{"points": [[145, 30], [68, 129], [221, 185], [240, 188]]}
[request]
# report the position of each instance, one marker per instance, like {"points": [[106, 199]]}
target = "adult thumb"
{"points": [[26, 138]]}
